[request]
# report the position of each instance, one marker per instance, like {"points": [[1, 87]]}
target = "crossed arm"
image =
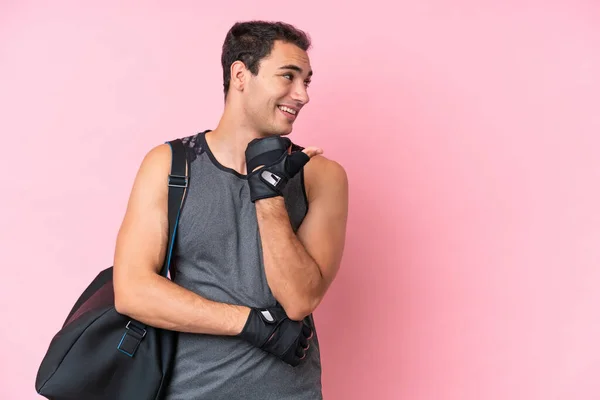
{"points": [[299, 268], [140, 291]]}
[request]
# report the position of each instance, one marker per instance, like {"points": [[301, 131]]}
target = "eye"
{"points": [[307, 83], [289, 76]]}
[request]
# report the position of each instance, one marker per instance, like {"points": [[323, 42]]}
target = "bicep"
{"points": [[323, 230], [142, 238]]}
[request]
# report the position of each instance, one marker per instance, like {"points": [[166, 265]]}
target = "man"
{"points": [[255, 252]]}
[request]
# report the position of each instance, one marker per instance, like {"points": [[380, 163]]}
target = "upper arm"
{"points": [[142, 238], [323, 231]]}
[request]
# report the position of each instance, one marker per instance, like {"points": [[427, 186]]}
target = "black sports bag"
{"points": [[99, 354]]}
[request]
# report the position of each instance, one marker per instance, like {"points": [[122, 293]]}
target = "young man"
{"points": [[260, 236]]}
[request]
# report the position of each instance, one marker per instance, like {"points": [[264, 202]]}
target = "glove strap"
{"points": [[265, 151]]}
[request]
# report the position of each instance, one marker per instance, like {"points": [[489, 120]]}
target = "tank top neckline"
{"points": [[213, 159]]}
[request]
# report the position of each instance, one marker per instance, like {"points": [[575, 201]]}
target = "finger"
{"points": [[312, 151], [300, 352], [303, 342], [307, 332]]}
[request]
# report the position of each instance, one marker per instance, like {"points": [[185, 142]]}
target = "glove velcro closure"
{"points": [[260, 326], [266, 151]]}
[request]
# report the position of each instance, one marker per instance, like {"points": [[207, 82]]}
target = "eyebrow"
{"points": [[295, 68]]}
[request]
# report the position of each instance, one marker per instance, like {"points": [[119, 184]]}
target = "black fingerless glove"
{"points": [[271, 330], [279, 166]]}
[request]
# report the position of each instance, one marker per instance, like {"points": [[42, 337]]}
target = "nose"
{"points": [[300, 94]]}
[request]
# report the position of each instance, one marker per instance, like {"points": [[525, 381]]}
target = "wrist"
{"points": [[241, 315], [270, 202]]}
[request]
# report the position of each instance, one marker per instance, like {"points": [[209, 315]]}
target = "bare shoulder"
{"points": [[150, 184], [322, 175], [157, 158]]}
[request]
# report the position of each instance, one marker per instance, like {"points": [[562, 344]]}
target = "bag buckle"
{"points": [[136, 329], [131, 339], [178, 181]]}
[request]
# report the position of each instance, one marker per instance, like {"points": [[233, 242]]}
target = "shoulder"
{"points": [[323, 175], [194, 145], [157, 157], [154, 168], [161, 154], [324, 168]]}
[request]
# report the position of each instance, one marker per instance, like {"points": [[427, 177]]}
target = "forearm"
{"points": [[292, 274], [156, 301]]}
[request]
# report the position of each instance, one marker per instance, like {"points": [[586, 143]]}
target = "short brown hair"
{"points": [[252, 41]]}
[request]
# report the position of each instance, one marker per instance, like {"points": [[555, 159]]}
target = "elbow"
{"points": [[124, 297], [297, 314], [297, 311], [122, 303]]}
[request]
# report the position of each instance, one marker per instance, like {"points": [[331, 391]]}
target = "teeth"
{"points": [[287, 109]]}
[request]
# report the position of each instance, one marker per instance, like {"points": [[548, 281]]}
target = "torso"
{"points": [[218, 255]]}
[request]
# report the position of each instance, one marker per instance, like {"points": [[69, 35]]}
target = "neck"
{"points": [[228, 141]]}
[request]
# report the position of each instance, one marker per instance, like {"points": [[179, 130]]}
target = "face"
{"points": [[273, 98]]}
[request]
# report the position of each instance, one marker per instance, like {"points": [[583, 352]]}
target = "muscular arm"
{"points": [[140, 291], [300, 268]]}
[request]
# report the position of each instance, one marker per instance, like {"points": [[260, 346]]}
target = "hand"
{"points": [[272, 165], [271, 330]]}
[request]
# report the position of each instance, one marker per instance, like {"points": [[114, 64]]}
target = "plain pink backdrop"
{"points": [[470, 132]]}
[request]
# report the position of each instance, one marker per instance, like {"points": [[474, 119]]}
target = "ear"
{"points": [[239, 75]]}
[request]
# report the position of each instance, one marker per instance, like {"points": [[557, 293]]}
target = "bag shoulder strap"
{"points": [[178, 183], [135, 331]]}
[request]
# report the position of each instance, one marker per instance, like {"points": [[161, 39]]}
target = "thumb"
{"points": [[295, 162]]}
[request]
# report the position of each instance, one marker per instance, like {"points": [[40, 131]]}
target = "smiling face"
{"points": [[272, 99]]}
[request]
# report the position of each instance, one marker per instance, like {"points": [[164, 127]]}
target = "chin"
{"points": [[287, 130], [276, 128], [280, 132]]}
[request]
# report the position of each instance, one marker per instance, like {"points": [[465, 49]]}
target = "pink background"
{"points": [[470, 131]]}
